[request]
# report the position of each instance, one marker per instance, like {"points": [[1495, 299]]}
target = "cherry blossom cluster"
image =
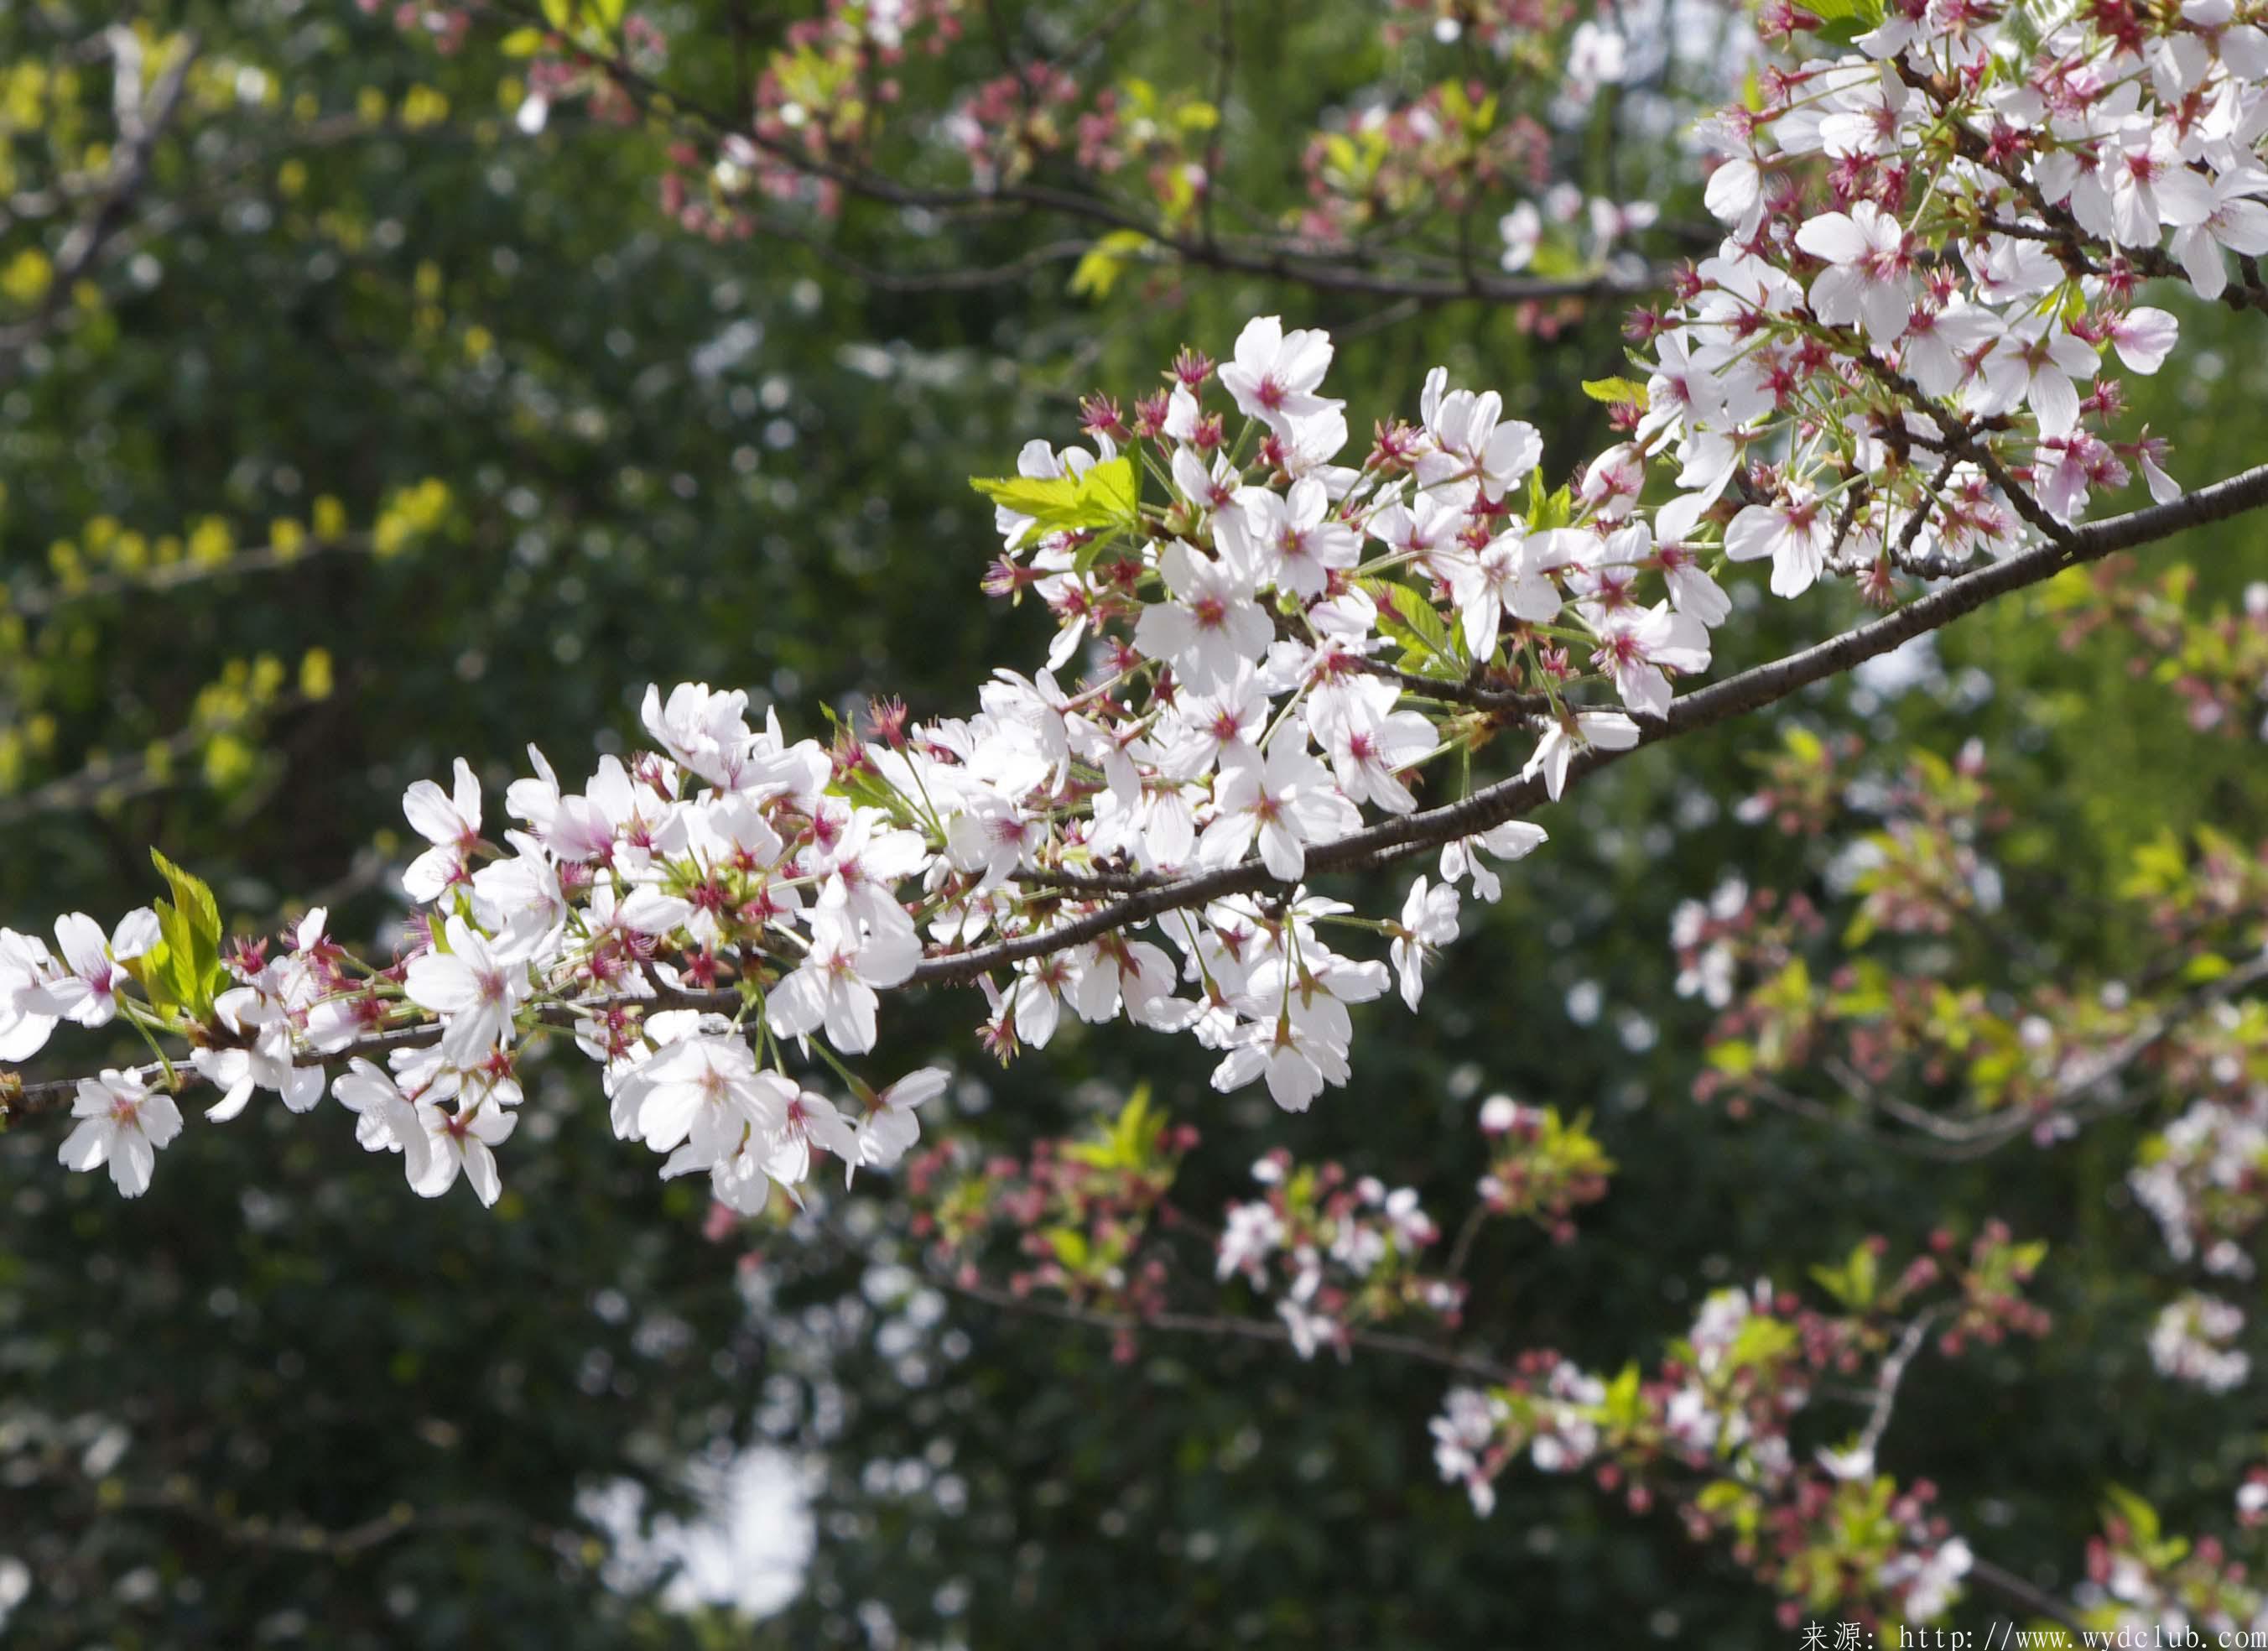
{"points": [[1898, 358], [2204, 1179], [445, 25], [1471, 142], [817, 101], [1542, 1167], [2031, 1056], [1444, 149], [1338, 1252], [561, 68], [1006, 124], [1082, 1213], [819, 94], [833, 107], [1724, 1404], [1801, 791], [2142, 1579], [1165, 134], [2029, 1061], [2191, 1342]]}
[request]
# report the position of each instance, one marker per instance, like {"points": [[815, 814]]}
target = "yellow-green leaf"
{"points": [[1104, 496], [1615, 392], [1105, 261]]}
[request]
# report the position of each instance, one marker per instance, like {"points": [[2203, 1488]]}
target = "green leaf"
{"points": [[1135, 1131], [1105, 261], [1760, 1341], [192, 895], [1547, 511], [1864, 1272], [1428, 645], [1853, 1283], [1615, 392], [1843, 21], [189, 925], [2140, 1517], [1105, 496], [1128, 1142], [1555, 261], [1113, 488], [1622, 1407]]}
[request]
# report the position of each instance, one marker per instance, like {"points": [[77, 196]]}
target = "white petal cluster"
{"points": [[2192, 1340], [1858, 379]]}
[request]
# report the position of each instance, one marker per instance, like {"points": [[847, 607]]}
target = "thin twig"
{"points": [[2017, 1591], [1887, 1380], [173, 575], [139, 133]]}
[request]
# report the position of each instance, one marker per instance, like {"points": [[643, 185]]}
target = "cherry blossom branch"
{"points": [[961, 279], [295, 1534], [31, 1100], [1473, 692], [1398, 838], [1762, 685], [2061, 229], [760, 877]]}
